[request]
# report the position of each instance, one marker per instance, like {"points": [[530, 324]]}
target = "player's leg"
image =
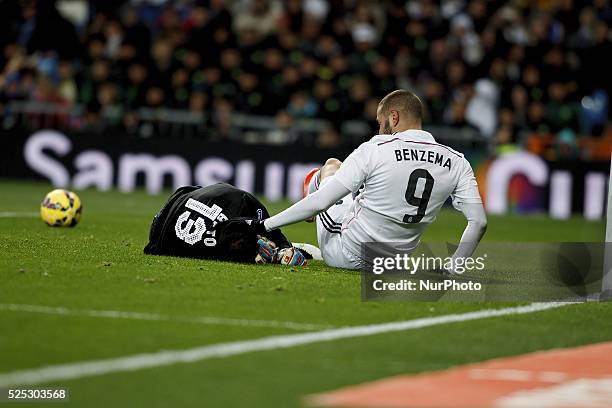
{"points": [[329, 233], [315, 177], [329, 223], [330, 168]]}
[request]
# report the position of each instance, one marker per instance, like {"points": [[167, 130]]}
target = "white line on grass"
{"points": [[115, 314], [14, 214], [62, 372]]}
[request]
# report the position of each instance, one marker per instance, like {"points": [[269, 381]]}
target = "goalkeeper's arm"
{"points": [[328, 194]]}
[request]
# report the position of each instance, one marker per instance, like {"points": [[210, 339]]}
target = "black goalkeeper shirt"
{"points": [[187, 225]]}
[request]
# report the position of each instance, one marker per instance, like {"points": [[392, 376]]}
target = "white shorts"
{"points": [[329, 235]]}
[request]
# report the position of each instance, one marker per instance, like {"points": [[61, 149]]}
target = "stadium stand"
{"points": [[506, 72]]}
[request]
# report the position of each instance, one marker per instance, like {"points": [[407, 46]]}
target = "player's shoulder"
{"points": [[379, 139], [366, 147], [460, 163], [376, 141], [413, 136], [457, 154]]}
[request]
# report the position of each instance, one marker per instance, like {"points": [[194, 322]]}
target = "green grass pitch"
{"points": [[99, 265]]}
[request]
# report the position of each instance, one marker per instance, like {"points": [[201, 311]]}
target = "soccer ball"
{"points": [[61, 208]]}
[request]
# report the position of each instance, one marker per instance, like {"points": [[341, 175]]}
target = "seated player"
{"points": [[387, 191], [188, 225]]}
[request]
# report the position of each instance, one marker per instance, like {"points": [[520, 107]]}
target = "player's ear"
{"points": [[395, 118]]}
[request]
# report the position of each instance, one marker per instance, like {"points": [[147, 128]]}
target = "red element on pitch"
{"points": [[307, 180], [564, 378]]}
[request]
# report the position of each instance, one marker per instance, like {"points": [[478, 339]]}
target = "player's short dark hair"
{"points": [[402, 100], [236, 242]]}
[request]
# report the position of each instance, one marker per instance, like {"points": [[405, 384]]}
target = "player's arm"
{"points": [[278, 238], [474, 231], [466, 199], [253, 207], [327, 195], [349, 177]]}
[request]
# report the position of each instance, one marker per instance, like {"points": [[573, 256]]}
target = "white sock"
{"points": [[314, 182]]}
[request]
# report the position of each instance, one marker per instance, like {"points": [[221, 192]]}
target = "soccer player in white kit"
{"points": [[388, 190]]}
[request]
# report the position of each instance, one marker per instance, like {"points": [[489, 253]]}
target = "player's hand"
{"points": [[266, 251], [292, 257]]}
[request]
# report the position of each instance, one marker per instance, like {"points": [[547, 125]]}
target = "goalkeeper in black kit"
{"points": [[209, 223]]}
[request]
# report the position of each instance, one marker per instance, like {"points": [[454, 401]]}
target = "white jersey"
{"points": [[403, 180]]}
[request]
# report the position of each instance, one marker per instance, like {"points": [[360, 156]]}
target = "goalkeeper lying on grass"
{"points": [[188, 225]]}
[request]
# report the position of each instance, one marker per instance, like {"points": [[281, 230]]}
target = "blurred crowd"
{"points": [[503, 68]]}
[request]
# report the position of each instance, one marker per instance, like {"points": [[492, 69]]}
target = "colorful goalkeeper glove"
{"points": [[266, 251], [292, 257]]}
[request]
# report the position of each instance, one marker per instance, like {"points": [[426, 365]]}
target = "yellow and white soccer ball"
{"points": [[61, 208]]}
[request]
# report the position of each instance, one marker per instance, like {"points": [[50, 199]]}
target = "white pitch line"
{"points": [[115, 314], [14, 214], [69, 371]]}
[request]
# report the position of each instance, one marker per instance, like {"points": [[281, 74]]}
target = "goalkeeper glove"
{"points": [[266, 251], [292, 257]]}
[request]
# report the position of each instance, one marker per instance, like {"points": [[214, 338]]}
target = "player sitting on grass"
{"points": [[189, 225], [387, 191]]}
